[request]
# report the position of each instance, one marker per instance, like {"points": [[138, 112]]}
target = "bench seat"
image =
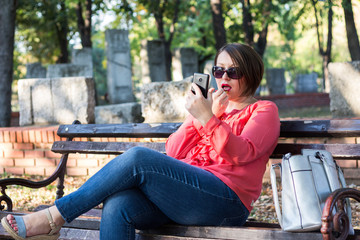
{"points": [[87, 139]]}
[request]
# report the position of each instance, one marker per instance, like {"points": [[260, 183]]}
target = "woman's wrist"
{"points": [[205, 119]]}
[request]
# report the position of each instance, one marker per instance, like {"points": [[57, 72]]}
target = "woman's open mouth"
{"points": [[225, 87]]}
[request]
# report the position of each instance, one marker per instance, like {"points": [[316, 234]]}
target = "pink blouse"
{"points": [[235, 147]]}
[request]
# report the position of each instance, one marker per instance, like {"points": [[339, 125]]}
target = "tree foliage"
{"points": [[44, 29], [282, 31]]}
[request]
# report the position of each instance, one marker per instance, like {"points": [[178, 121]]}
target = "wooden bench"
{"points": [[307, 134]]}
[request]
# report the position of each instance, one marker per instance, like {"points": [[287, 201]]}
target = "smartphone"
{"points": [[202, 80]]}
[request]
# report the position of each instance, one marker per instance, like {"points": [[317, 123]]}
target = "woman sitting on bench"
{"points": [[211, 175]]}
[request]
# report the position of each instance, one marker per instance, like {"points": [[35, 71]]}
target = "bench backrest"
{"points": [[324, 129]]}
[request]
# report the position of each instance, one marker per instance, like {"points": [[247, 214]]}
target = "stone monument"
{"points": [[153, 61], [46, 101], [275, 80], [306, 83], [165, 101], [119, 113], [35, 70], [83, 56], [68, 70], [184, 63], [344, 89], [119, 82], [208, 69]]}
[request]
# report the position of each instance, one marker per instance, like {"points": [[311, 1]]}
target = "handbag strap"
{"points": [[275, 191]]}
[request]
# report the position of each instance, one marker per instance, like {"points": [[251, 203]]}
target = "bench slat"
{"points": [[339, 151], [102, 147], [134, 130], [296, 128], [234, 233], [320, 128]]}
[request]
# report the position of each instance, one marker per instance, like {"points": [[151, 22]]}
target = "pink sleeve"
{"points": [[258, 137], [185, 138]]}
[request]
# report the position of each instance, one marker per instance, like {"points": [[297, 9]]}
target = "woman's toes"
{"points": [[11, 220], [10, 217]]}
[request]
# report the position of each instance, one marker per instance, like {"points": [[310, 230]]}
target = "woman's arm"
{"points": [[186, 137]]}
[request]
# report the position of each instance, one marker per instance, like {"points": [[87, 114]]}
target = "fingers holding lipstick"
{"points": [[220, 102]]}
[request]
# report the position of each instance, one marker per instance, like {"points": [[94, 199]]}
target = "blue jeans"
{"points": [[143, 189]]}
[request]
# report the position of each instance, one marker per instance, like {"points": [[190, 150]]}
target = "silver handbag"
{"points": [[307, 180]]}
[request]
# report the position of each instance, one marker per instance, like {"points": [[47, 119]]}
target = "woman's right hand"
{"points": [[220, 101]]}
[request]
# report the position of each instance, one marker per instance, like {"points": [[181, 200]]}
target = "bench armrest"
{"points": [[339, 222]]}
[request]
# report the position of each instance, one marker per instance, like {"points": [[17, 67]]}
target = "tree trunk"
{"points": [[260, 45], [247, 23], [84, 25], [7, 30], [62, 31], [160, 29], [158, 13], [218, 23], [326, 54], [248, 26], [351, 33]]}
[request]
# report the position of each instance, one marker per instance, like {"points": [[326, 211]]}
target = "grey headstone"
{"points": [[153, 61], [118, 113], [35, 70], [68, 70], [275, 80], [185, 63], [165, 101], [344, 89], [56, 100], [119, 82], [306, 83], [83, 56]]}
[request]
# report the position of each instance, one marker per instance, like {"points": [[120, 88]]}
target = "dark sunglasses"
{"points": [[218, 72]]}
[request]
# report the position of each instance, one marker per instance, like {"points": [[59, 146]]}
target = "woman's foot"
{"points": [[38, 223]]}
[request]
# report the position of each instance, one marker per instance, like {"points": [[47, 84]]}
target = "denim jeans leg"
{"points": [[126, 210], [184, 193]]}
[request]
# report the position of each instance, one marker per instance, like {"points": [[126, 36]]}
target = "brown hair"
{"points": [[248, 64]]}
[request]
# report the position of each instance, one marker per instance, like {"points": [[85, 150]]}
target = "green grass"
{"points": [[309, 112]]}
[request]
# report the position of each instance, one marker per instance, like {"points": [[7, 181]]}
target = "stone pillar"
{"points": [[83, 56], [344, 89], [153, 61], [35, 70], [275, 79], [119, 74], [306, 83], [184, 63], [56, 100]]}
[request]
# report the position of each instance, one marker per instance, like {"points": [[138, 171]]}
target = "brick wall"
{"points": [[26, 150]]}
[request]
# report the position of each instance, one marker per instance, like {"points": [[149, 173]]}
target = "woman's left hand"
{"points": [[199, 106]]}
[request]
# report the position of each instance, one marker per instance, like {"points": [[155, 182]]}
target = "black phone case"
{"points": [[202, 80]]}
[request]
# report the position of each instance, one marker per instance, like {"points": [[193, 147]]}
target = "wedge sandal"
{"points": [[21, 235]]}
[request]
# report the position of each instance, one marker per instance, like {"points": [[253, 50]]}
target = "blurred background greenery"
{"points": [[297, 33]]}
